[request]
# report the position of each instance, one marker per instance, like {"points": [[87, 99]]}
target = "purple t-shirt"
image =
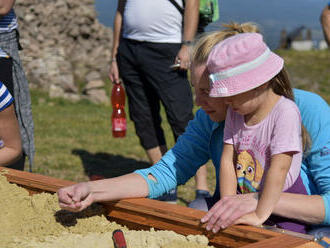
{"points": [[279, 132]]}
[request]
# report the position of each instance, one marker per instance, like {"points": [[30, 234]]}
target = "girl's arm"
{"points": [[272, 189], [216, 216], [228, 180], [10, 136]]}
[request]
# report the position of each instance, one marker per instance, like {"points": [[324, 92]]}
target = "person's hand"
{"points": [[228, 210], [75, 198], [250, 219], [183, 58], [114, 72]]}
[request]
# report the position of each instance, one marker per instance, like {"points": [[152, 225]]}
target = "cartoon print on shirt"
{"points": [[249, 172]]}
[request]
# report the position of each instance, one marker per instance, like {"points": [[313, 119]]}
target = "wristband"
{"points": [[187, 42], [113, 60]]}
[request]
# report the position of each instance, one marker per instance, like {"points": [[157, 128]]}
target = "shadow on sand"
{"points": [[108, 165]]}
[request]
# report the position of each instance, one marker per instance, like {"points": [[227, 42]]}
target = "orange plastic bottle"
{"points": [[118, 117], [119, 124], [118, 95]]}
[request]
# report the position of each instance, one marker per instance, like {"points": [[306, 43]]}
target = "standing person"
{"points": [[262, 149], [202, 140], [148, 38], [13, 76], [325, 22], [10, 139]]}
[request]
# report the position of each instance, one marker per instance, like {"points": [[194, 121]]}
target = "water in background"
{"points": [[272, 15]]}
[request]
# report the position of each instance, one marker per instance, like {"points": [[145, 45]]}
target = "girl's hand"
{"points": [[250, 219], [228, 210]]}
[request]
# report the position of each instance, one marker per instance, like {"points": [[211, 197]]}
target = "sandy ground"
{"points": [[37, 221]]}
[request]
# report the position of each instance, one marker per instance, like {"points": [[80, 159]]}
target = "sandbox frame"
{"points": [[142, 214]]}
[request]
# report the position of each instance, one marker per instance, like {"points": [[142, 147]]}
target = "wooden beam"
{"points": [[144, 213]]}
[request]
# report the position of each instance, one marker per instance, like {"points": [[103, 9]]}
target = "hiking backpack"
{"points": [[208, 12]]}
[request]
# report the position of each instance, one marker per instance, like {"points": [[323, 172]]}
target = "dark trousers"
{"points": [[149, 81]]}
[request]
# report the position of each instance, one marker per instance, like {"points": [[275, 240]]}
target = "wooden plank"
{"points": [[182, 220], [146, 213], [283, 241], [34, 182]]}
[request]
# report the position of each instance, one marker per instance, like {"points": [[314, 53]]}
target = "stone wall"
{"points": [[66, 50]]}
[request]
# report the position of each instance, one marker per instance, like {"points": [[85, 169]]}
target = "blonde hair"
{"points": [[280, 83], [205, 43]]}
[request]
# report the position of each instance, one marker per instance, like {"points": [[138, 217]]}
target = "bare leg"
{"points": [[201, 179], [202, 190], [325, 21], [156, 153]]}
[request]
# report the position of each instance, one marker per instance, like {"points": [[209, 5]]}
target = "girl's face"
{"points": [[248, 102]]}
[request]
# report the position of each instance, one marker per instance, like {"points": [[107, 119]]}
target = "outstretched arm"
{"points": [[79, 196], [177, 166], [305, 208]]}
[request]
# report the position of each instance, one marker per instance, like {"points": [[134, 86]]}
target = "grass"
{"points": [[309, 70], [74, 139]]}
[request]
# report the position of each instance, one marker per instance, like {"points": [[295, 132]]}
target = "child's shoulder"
{"points": [[286, 104], [285, 109]]}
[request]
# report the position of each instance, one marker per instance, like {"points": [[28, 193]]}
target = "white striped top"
{"points": [[5, 100], [8, 22], [3, 54], [5, 97]]}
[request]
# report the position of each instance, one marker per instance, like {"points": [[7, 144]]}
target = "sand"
{"points": [[37, 221]]}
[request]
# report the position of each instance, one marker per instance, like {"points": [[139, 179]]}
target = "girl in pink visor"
{"points": [[263, 138]]}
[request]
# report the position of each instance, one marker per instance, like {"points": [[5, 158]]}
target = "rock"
{"points": [[94, 84], [55, 91], [93, 75], [63, 43], [98, 96]]}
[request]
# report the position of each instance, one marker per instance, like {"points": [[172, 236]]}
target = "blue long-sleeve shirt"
{"points": [[202, 141]]}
